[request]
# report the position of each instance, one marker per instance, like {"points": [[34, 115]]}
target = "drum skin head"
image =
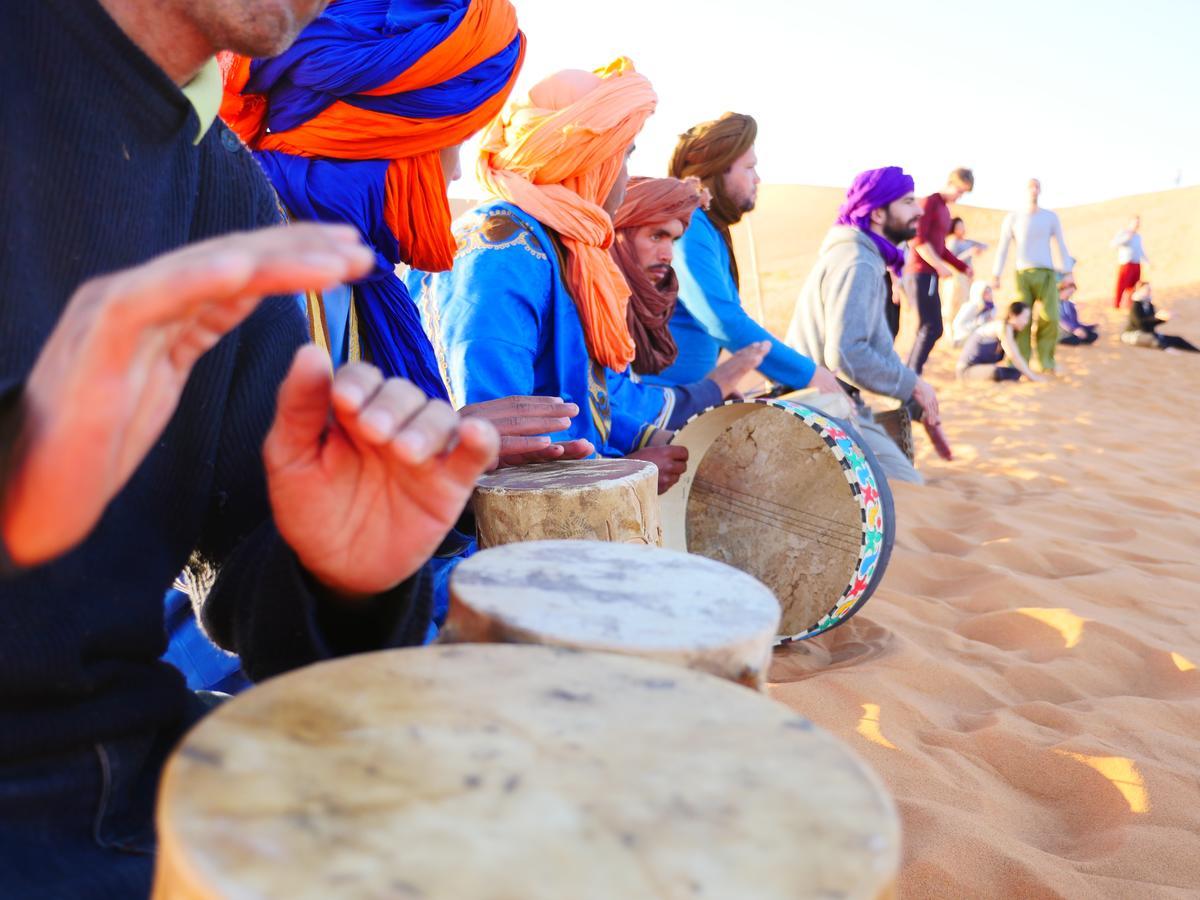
{"points": [[791, 496]]}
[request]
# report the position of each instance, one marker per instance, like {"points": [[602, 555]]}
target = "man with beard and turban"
{"points": [[157, 403], [534, 303], [360, 121], [839, 319], [653, 216], [709, 315]]}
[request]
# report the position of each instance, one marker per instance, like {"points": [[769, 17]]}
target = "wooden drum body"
{"points": [[588, 499], [516, 773], [642, 601], [791, 496]]}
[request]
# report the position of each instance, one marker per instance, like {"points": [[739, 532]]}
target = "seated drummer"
{"points": [[840, 320], [155, 406], [709, 316], [534, 303], [653, 216], [348, 151]]}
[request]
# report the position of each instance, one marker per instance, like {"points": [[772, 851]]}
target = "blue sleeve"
{"points": [[706, 288], [636, 399], [692, 399], [484, 318], [629, 433]]}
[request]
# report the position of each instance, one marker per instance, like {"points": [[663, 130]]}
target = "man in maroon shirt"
{"points": [[931, 260]]}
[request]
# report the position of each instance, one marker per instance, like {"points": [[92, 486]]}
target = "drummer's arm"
{"points": [[707, 291], [262, 604], [855, 344]]}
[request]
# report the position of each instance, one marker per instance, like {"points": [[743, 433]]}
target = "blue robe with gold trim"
{"points": [[503, 323]]}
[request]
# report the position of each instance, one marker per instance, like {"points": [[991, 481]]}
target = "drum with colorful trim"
{"points": [[791, 496]]}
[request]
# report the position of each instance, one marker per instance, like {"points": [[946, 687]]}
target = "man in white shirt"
{"points": [[1032, 229], [1130, 256]]}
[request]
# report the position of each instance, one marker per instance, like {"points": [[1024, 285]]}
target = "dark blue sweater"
{"points": [[98, 171]]}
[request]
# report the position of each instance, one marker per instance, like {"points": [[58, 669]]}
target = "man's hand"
{"points": [[729, 374], [670, 460], [825, 381], [524, 424], [925, 397], [996, 283], [111, 373], [969, 272], [943, 271], [366, 475]]}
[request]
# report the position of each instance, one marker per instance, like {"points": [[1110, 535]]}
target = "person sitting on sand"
{"points": [[958, 286], [1072, 331], [1144, 320], [534, 303], [993, 343], [709, 315], [839, 319], [978, 309], [653, 216]]}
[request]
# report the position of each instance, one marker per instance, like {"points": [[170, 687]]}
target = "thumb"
{"points": [[303, 409]]}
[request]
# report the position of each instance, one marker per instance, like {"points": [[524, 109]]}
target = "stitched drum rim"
{"points": [[869, 486]]}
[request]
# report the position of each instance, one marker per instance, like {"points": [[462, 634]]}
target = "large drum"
{"points": [[516, 773], [590, 499], [793, 497], [643, 601]]}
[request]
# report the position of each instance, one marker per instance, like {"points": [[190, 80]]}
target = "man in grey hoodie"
{"points": [[839, 320]]}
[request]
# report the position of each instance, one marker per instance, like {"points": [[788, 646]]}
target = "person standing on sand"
{"points": [[839, 319], [1130, 256], [1037, 281], [933, 261]]}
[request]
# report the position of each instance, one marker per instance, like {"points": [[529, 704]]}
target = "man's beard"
{"points": [[897, 233]]}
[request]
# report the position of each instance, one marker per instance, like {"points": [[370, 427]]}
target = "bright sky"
{"points": [[1098, 99]]}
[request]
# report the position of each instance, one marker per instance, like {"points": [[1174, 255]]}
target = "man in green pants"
{"points": [[1031, 229]]}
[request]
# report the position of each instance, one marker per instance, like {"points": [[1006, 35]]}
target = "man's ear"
{"points": [[878, 216]]}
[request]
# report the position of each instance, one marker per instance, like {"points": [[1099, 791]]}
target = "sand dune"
{"points": [[1026, 680]]}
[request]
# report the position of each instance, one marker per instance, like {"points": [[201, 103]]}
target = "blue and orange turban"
{"points": [[349, 124]]}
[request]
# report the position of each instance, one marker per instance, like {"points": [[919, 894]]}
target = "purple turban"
{"points": [[870, 191]]}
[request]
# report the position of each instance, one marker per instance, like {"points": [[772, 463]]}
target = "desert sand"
{"points": [[1026, 680]]}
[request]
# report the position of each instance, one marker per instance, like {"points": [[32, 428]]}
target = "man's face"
{"points": [[655, 247], [251, 27], [900, 219], [741, 181], [1035, 190], [957, 191], [616, 196], [960, 229], [1066, 289], [1135, 223]]}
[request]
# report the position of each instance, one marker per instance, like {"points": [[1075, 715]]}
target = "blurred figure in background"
{"points": [[1130, 256], [958, 285], [1072, 331]]}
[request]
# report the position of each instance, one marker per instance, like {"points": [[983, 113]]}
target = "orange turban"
{"points": [[557, 155]]}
